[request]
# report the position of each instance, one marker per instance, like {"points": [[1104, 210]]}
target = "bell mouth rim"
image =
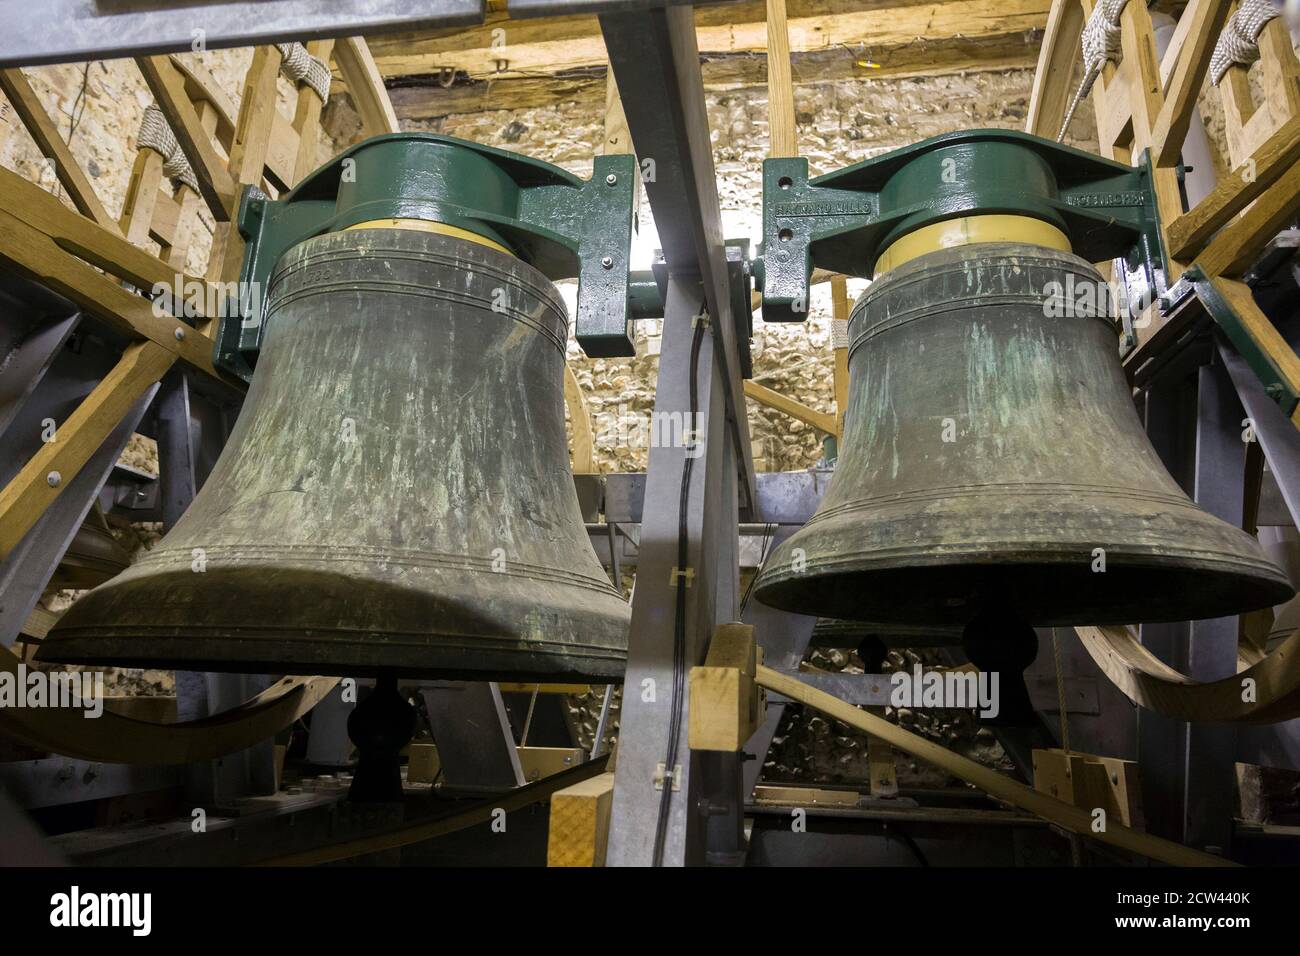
{"points": [[197, 653], [1031, 586]]}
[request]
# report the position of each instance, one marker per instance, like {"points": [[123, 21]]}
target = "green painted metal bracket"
{"points": [[561, 225], [1260, 362], [844, 220]]}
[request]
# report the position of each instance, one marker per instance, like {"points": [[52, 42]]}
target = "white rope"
{"points": [[1101, 45], [155, 134], [1239, 41], [301, 67]]}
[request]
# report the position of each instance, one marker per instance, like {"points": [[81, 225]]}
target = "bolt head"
{"points": [[54, 479], [180, 335], [611, 179], [607, 262]]}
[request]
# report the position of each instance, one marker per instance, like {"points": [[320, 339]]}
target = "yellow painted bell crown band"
{"points": [[428, 225], [969, 230]]}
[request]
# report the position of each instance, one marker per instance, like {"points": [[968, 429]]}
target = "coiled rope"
{"points": [[1239, 41], [299, 66], [1101, 45], [155, 134]]}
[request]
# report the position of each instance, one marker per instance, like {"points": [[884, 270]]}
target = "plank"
{"points": [[141, 197], [579, 823], [42, 129], [1054, 78], [783, 133], [1200, 24]]}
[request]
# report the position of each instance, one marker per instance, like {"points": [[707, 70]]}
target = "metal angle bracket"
{"points": [[646, 295], [1243, 340], [561, 225], [843, 221]]}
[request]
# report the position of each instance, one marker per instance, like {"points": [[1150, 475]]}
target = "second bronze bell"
{"points": [[994, 461]]}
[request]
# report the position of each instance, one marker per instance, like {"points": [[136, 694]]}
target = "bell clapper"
{"points": [[380, 726]]}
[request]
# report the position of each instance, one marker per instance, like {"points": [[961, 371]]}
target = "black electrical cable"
{"points": [[762, 559], [679, 623]]}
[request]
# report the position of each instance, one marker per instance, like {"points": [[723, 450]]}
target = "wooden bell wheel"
{"points": [[112, 738]]}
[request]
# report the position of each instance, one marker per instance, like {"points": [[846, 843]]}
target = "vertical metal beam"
{"points": [[1212, 747], [654, 697], [656, 63]]}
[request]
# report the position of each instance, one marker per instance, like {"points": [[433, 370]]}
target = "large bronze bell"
{"points": [[994, 463], [396, 495]]}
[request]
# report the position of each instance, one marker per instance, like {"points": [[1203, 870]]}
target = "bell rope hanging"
{"points": [[993, 460], [396, 496]]}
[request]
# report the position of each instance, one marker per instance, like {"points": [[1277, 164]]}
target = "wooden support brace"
{"points": [[795, 409], [167, 84], [43, 478], [29, 109], [1189, 233], [1058, 55], [1200, 25], [579, 824], [306, 118], [1240, 243], [726, 706], [987, 779], [38, 256]]}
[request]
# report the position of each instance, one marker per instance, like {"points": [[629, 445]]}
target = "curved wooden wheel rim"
{"points": [[1150, 682], [112, 738]]}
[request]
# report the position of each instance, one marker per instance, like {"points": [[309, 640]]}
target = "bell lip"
{"points": [[1204, 592], [286, 657]]}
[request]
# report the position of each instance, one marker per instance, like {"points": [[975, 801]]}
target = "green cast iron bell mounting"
{"points": [[557, 223], [844, 220]]}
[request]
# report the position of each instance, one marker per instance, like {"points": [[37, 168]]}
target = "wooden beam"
{"points": [[1190, 231], [556, 44], [417, 98], [1203, 20], [141, 197], [1054, 78], [167, 84], [992, 782], [43, 478], [789, 406], [783, 133], [366, 86], [1240, 243], [29, 109], [36, 255]]}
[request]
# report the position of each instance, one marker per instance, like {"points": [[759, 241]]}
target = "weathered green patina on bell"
{"points": [[396, 495], [993, 461]]}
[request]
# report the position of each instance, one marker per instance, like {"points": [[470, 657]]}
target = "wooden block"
{"points": [[579, 825], [725, 704], [1089, 782], [539, 762], [423, 765], [519, 687]]}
